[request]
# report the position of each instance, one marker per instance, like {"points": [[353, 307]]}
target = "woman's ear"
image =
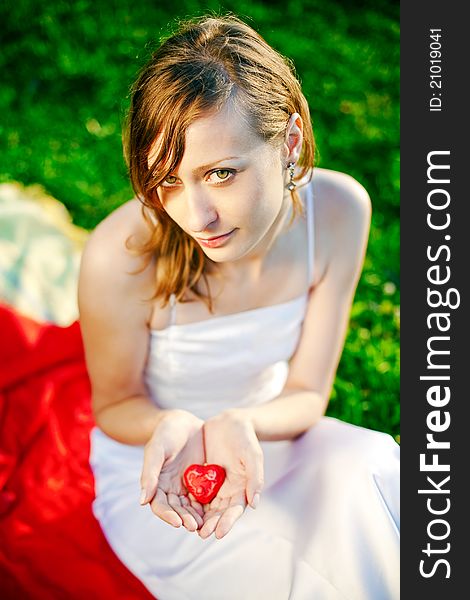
{"points": [[293, 139]]}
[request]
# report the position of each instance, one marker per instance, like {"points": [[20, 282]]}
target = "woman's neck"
{"points": [[252, 266]]}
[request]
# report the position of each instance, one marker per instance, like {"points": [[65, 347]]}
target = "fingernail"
{"points": [[255, 501], [143, 496]]}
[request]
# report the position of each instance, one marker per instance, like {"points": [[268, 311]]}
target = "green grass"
{"points": [[67, 68]]}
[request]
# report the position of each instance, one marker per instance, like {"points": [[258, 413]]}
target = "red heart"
{"points": [[204, 481]]}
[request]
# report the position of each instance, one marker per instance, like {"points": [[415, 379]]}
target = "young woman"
{"points": [[214, 308]]}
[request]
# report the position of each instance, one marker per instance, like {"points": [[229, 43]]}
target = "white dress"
{"points": [[327, 525]]}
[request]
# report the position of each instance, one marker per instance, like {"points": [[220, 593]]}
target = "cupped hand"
{"points": [[231, 442], [176, 443]]}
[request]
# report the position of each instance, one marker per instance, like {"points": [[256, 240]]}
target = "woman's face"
{"points": [[230, 181]]}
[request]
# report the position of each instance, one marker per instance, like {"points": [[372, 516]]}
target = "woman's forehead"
{"points": [[213, 137], [219, 134]]}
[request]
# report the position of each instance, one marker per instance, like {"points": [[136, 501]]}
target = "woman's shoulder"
{"points": [[115, 236], [342, 210], [339, 194], [108, 258], [125, 220]]}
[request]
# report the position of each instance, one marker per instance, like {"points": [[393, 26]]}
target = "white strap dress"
{"points": [[327, 526]]}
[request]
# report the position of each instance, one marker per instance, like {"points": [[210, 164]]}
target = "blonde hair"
{"points": [[206, 63]]}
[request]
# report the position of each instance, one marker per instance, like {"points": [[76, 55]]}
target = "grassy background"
{"points": [[67, 68]]}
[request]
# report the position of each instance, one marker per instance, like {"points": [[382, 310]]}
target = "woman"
{"points": [[214, 308]]}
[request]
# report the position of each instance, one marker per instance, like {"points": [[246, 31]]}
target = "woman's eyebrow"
{"points": [[216, 162]]}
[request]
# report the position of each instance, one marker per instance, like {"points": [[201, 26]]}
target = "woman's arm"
{"points": [[114, 317], [342, 221], [113, 320]]}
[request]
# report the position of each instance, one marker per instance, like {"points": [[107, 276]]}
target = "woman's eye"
{"points": [[170, 179], [220, 175]]}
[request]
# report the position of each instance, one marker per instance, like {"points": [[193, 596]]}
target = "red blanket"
{"points": [[51, 545]]}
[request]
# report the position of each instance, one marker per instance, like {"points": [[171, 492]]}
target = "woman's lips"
{"points": [[215, 242]]}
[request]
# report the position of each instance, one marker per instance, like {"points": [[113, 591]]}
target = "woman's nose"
{"points": [[201, 211]]}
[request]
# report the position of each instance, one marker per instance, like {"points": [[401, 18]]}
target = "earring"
{"points": [[291, 185]]}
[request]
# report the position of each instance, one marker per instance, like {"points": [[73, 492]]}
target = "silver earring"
{"points": [[291, 185]]}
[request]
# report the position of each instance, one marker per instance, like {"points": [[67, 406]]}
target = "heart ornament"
{"points": [[204, 481]]}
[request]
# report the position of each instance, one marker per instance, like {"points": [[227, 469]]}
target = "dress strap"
{"points": [[310, 234], [172, 309]]}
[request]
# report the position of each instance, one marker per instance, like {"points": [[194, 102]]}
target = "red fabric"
{"points": [[51, 544]]}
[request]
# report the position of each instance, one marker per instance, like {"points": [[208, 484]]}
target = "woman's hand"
{"points": [[176, 443], [231, 442]]}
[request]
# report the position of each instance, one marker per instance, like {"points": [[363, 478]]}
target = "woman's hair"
{"points": [[208, 62]]}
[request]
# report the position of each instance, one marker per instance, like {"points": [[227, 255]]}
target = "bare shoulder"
{"points": [[342, 221], [125, 222], [107, 252], [340, 197], [110, 273]]}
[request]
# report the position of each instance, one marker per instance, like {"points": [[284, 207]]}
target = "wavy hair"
{"points": [[207, 62]]}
